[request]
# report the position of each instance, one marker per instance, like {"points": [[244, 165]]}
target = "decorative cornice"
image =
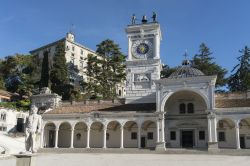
{"points": [[142, 62], [189, 80]]}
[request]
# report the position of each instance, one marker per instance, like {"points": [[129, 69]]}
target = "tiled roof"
{"points": [[5, 93], [230, 103], [143, 107]]}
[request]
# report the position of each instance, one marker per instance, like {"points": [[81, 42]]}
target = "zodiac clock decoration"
{"points": [[142, 49]]}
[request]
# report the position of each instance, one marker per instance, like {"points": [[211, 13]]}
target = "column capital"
{"points": [[104, 128], [211, 115], [121, 127]]}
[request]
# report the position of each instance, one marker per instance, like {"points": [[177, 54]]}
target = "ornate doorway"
{"points": [[187, 138]]}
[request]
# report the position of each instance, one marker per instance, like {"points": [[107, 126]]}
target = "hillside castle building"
{"points": [[181, 111]]}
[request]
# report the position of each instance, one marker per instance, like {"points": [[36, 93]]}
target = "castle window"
{"points": [[3, 116], [81, 64], [78, 136], [222, 136], [190, 108], [133, 135], [172, 135], [107, 136], [81, 52], [73, 48], [150, 135], [201, 135], [182, 108]]}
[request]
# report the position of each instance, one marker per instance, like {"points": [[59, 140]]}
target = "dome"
{"points": [[185, 71]]}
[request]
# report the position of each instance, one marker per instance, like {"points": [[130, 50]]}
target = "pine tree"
{"points": [[204, 62], [109, 69], [18, 73], [44, 81], [59, 73], [93, 70], [240, 79], [167, 71]]}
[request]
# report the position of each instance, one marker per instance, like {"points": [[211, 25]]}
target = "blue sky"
{"points": [[224, 25]]}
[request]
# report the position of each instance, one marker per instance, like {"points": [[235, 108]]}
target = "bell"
{"points": [[144, 19]]}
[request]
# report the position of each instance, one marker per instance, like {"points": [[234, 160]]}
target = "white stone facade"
{"points": [[12, 120], [75, 53], [186, 112]]}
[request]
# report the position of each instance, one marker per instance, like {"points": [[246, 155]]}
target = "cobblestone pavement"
{"points": [[98, 159]]}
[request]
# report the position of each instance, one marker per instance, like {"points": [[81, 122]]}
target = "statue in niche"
{"points": [[32, 130]]}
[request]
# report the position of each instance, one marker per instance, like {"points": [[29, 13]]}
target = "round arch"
{"points": [[96, 134], [130, 134], [168, 95], [149, 132], [49, 130], [64, 135], [244, 131], [113, 135], [80, 134], [226, 133]]}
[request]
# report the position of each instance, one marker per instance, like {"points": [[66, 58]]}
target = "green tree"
{"points": [[240, 79], [204, 62], [59, 73], [19, 72], [167, 71], [112, 67], [93, 72], [2, 83], [44, 81]]}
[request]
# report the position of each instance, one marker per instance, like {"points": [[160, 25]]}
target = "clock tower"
{"points": [[143, 62]]}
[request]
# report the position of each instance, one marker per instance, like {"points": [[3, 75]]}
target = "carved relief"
{"points": [[142, 77]]}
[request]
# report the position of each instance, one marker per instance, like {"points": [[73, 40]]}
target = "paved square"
{"points": [[92, 159]]}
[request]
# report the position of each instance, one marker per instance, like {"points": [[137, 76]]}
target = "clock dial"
{"points": [[141, 49]]}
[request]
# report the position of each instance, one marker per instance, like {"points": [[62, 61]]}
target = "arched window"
{"points": [[190, 108], [78, 136], [182, 108]]}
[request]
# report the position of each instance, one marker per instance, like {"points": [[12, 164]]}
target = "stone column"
{"points": [[88, 135], [72, 139], [158, 97], [104, 137], [237, 136], [212, 132], [209, 130], [129, 49], [139, 136], [157, 46], [121, 146], [160, 145], [157, 131], [56, 139], [41, 139], [163, 130], [215, 133]]}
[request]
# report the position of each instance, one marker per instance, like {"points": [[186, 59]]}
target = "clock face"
{"points": [[142, 49]]}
